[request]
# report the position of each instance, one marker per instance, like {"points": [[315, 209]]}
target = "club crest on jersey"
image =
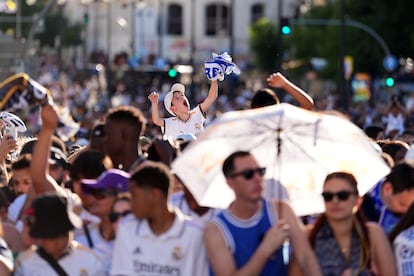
{"points": [[177, 253], [405, 252], [197, 126]]}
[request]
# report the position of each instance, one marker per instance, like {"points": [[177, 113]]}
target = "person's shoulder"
{"points": [[188, 223], [374, 230], [84, 252], [176, 197], [129, 225], [26, 254], [193, 225]]}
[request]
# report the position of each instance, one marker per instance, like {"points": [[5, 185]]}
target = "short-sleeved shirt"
{"points": [[178, 251], [374, 208], [404, 252], [79, 261], [174, 126], [100, 245]]}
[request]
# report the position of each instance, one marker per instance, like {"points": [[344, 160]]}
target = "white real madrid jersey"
{"points": [[79, 261], [179, 251], [173, 126], [404, 252]]}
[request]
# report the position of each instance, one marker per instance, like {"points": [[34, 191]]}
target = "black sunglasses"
{"points": [[341, 195], [248, 174], [114, 216]]}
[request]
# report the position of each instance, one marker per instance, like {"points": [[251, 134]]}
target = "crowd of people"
{"points": [[107, 203]]}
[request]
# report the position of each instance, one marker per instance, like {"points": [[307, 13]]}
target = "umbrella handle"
{"points": [[279, 142]]}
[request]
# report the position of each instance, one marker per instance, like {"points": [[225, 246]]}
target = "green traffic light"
{"points": [[286, 30], [85, 19], [172, 73], [389, 82]]}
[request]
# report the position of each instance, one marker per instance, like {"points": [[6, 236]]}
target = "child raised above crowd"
{"points": [[184, 119]]}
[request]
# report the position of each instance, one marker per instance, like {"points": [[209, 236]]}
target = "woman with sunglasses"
{"points": [[121, 208], [343, 241]]}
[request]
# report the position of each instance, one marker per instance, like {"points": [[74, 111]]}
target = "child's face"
{"points": [[179, 102]]}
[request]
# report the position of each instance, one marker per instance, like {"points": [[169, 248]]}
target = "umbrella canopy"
{"points": [[298, 148]]}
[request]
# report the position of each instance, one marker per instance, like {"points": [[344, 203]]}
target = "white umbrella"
{"points": [[298, 148]]}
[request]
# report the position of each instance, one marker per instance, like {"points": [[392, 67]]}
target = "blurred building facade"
{"points": [[175, 30]]}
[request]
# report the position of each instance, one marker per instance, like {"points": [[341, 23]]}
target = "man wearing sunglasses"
{"points": [[248, 236], [390, 198]]}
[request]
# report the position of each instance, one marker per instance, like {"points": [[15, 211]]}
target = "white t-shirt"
{"points": [[179, 251], [80, 261], [173, 126], [178, 200], [101, 247], [404, 252], [395, 123]]}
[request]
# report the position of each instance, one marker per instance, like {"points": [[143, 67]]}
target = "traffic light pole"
{"points": [[343, 87], [36, 20], [342, 23], [279, 37], [349, 23]]}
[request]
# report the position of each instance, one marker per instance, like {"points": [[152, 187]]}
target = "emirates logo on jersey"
{"points": [[177, 253]]}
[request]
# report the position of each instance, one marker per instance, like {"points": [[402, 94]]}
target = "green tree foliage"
{"points": [[26, 11], [392, 20], [56, 25], [263, 42]]}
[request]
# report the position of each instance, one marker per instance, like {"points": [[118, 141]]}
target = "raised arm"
{"points": [[277, 80], [39, 170], [221, 258], [155, 113], [302, 250], [211, 97]]}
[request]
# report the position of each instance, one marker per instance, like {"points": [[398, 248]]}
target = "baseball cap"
{"points": [[52, 216], [177, 87], [114, 179]]}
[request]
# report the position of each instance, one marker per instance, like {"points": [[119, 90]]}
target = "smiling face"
{"points": [[179, 103]]}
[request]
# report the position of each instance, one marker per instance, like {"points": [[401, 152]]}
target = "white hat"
{"points": [[185, 137], [177, 87]]}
